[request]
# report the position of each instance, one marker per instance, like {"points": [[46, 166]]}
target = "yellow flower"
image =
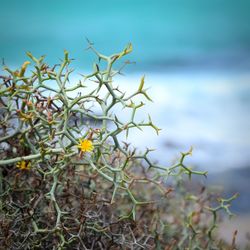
{"points": [[85, 145], [23, 165]]}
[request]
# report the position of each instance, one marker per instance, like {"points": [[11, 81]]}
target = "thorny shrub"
{"points": [[68, 182]]}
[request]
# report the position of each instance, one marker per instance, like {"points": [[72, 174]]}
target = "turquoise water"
{"points": [[165, 34]]}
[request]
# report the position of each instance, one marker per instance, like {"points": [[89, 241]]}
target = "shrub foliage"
{"points": [[67, 181]]}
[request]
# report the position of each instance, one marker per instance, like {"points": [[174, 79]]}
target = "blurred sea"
{"points": [[166, 34], [209, 111]]}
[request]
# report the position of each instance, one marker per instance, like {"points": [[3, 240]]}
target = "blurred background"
{"points": [[196, 58]]}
